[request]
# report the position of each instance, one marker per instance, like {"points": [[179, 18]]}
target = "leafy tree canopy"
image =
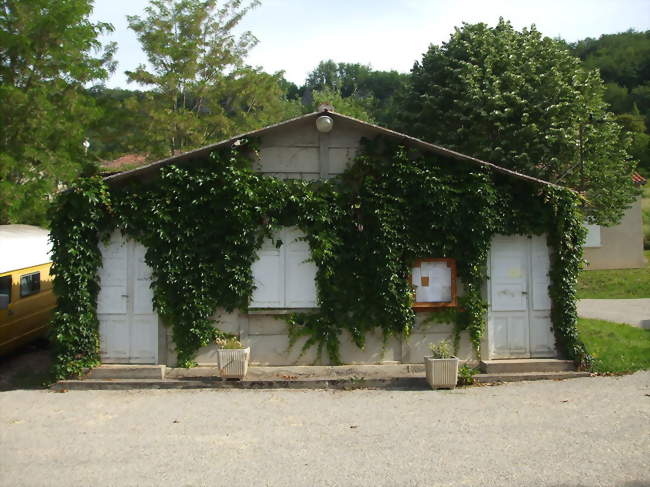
{"points": [[358, 86], [48, 51], [522, 101], [201, 90]]}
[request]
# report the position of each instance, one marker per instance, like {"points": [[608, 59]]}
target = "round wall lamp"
{"points": [[324, 124]]}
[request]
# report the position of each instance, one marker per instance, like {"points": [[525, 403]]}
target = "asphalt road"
{"points": [[635, 312], [580, 432]]}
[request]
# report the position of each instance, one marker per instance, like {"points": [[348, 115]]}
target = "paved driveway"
{"points": [[635, 312], [588, 432]]}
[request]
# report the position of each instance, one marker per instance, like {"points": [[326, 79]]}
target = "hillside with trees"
{"points": [[624, 64]]}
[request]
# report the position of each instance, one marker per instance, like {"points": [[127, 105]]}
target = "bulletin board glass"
{"points": [[434, 283]]}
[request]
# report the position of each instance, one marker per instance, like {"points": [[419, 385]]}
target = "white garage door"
{"points": [[128, 325]]}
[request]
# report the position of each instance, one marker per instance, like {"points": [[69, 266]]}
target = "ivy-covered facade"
{"points": [[199, 238]]}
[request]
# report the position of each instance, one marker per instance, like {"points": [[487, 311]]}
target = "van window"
{"points": [[5, 291], [30, 284]]}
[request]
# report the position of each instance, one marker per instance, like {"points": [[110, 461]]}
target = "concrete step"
{"points": [[513, 366], [126, 371], [417, 383], [392, 383], [517, 377], [300, 372]]}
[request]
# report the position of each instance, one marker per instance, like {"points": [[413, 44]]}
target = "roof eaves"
{"points": [[448, 152], [202, 150], [406, 138]]}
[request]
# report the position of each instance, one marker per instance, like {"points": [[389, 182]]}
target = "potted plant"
{"points": [[232, 357], [441, 367]]}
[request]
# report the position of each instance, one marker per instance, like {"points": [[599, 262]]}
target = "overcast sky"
{"points": [[294, 35]]}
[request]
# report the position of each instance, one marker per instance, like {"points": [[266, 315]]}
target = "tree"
{"points": [[48, 52], [359, 87], [119, 128], [351, 106], [522, 101], [201, 89]]}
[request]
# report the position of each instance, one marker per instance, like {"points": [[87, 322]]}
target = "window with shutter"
{"points": [[283, 273]]}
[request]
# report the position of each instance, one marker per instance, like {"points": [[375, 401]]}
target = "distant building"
{"points": [[619, 246]]}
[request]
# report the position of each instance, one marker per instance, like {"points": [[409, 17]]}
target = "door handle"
{"points": [[125, 295], [524, 292]]}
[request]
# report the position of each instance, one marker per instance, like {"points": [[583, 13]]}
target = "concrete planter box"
{"points": [[442, 373], [233, 363]]}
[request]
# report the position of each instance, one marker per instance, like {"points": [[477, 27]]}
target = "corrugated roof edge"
{"points": [[406, 138]]}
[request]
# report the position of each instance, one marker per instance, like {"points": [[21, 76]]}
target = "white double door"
{"points": [[128, 325], [519, 321]]}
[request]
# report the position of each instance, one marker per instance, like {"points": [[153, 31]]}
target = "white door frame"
{"points": [[526, 331]]}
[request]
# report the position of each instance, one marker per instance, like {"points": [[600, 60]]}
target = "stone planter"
{"points": [[233, 363], [442, 373]]}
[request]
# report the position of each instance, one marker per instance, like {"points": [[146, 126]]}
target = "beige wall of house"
{"points": [[266, 333], [621, 246], [304, 153]]}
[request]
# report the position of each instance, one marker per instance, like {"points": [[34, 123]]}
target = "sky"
{"points": [[295, 35]]}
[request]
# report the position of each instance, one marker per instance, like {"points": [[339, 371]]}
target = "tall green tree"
{"points": [[200, 88], [118, 130], [49, 50], [523, 101], [358, 87]]}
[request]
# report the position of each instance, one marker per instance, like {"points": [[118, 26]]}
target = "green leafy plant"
{"points": [[442, 349], [466, 375], [203, 223], [228, 343]]}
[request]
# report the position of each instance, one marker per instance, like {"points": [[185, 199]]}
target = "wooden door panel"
{"points": [[509, 332], [542, 339], [300, 284], [144, 339], [114, 333], [112, 297], [540, 261], [142, 292], [509, 274], [268, 274]]}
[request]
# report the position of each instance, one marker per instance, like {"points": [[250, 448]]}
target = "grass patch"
{"points": [[616, 347], [615, 283]]}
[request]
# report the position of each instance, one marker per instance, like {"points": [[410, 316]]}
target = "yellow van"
{"points": [[26, 297]]}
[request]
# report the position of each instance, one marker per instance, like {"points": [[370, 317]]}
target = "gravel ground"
{"points": [[581, 432]]}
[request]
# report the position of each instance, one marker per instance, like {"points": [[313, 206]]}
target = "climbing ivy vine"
{"points": [[203, 222]]}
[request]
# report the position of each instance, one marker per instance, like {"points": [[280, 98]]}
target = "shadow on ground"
{"points": [[26, 368]]}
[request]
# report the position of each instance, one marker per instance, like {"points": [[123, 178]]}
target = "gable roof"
{"points": [[407, 139]]}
